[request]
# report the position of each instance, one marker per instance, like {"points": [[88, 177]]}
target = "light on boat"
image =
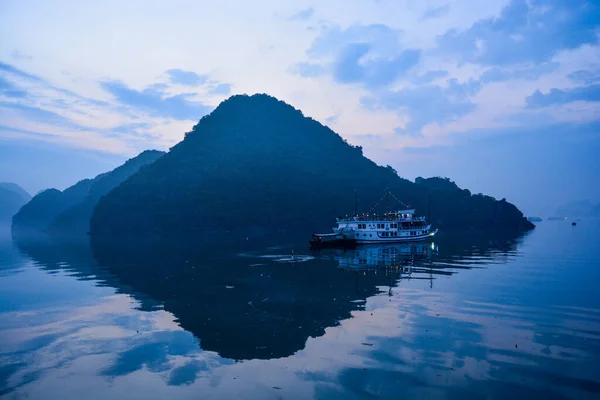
{"points": [[432, 246]]}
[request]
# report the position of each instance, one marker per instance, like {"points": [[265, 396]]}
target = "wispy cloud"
{"points": [[32, 108], [10, 90], [303, 15], [436, 12], [585, 76], [525, 33], [221, 89], [7, 68], [429, 76], [188, 78], [557, 96], [156, 102], [332, 119], [17, 55], [369, 55], [308, 70], [425, 104]]}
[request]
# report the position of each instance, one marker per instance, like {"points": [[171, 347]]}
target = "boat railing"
{"points": [[377, 218]]}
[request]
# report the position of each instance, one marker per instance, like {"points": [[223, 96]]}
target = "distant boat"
{"points": [[534, 219], [557, 218]]}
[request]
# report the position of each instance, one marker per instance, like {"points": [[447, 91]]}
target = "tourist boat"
{"points": [[391, 227]]}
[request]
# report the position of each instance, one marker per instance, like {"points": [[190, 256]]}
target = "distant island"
{"points": [[12, 198], [257, 162], [69, 212], [579, 208]]}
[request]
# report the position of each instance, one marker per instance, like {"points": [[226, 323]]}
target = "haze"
{"points": [[500, 96]]}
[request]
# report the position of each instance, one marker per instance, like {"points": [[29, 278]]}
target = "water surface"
{"points": [[464, 317]]}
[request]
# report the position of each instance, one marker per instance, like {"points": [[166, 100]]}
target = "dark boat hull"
{"points": [[324, 241]]}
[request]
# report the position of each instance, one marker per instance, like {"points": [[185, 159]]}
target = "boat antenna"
{"points": [[387, 198], [355, 214]]}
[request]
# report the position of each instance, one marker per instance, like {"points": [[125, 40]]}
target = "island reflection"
{"points": [[247, 299]]}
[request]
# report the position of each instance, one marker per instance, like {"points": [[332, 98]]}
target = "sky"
{"points": [[501, 96]]}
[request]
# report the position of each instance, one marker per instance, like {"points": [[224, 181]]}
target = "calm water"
{"points": [[464, 317]]}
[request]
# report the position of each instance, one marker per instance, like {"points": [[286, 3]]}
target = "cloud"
{"points": [[558, 96], [34, 83], [156, 116], [525, 33], [430, 104], [332, 119], [188, 78], [426, 104], [7, 68], [585, 76], [429, 76], [221, 89], [499, 74], [38, 115], [9, 90], [369, 55], [405, 132], [303, 15], [346, 68], [436, 12], [349, 67], [382, 39], [308, 70], [17, 55], [156, 102]]}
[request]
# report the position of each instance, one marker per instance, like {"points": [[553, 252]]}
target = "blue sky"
{"points": [[502, 96]]}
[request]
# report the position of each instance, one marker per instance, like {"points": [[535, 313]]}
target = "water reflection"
{"points": [[382, 321], [246, 300]]}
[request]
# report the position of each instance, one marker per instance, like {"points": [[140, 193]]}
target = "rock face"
{"points": [[12, 198], [69, 212], [256, 161]]}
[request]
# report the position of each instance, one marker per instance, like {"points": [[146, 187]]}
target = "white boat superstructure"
{"points": [[391, 227]]}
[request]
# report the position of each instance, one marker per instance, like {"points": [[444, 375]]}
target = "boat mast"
{"points": [[355, 214], [387, 197]]}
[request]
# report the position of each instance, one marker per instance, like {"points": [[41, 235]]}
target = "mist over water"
{"points": [[462, 317]]}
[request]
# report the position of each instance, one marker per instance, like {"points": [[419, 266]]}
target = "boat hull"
{"points": [[398, 239], [331, 240]]}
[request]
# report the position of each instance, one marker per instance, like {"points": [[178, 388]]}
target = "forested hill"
{"points": [[68, 212], [12, 198], [256, 161]]}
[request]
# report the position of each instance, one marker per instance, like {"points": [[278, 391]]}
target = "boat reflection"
{"points": [[374, 257], [396, 261]]}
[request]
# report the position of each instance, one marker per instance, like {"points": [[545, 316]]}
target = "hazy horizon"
{"points": [[501, 97]]}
